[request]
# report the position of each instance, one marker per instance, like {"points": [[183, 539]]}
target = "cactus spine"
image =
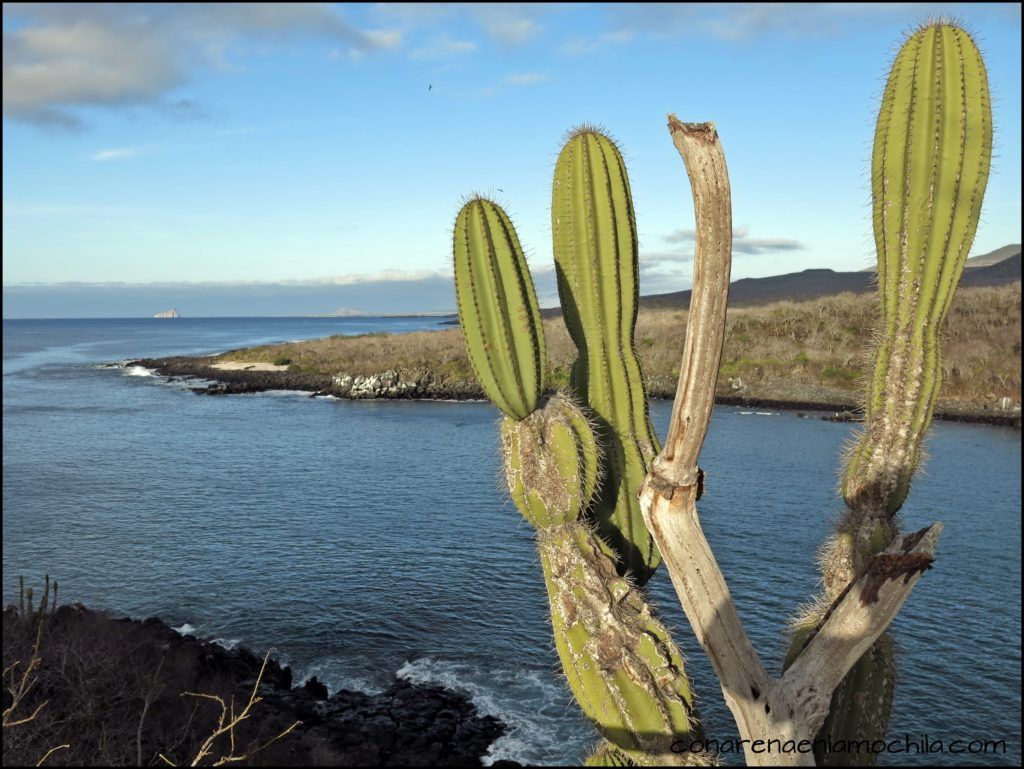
{"points": [[619, 660], [595, 245], [929, 169]]}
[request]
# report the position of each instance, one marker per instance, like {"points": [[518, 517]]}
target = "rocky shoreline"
{"points": [[423, 384], [114, 693]]}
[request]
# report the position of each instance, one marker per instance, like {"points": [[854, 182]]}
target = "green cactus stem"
{"points": [[595, 245], [621, 664], [606, 754], [498, 309], [618, 657], [860, 706], [929, 169]]}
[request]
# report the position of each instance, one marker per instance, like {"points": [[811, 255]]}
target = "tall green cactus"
{"points": [[618, 658], [595, 243], [929, 169]]}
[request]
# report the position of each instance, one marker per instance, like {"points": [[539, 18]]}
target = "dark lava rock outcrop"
{"points": [[122, 692]]}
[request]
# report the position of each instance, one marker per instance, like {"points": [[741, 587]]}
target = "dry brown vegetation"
{"points": [[811, 350]]}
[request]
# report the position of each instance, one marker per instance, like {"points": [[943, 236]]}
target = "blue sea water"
{"points": [[361, 539]]}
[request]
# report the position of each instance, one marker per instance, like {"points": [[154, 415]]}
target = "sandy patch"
{"points": [[232, 365]]}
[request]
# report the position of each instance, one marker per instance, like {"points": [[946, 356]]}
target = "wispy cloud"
{"points": [[668, 269], [115, 153], [348, 279], [525, 78], [515, 80], [384, 291], [443, 47], [575, 45], [509, 24], [62, 56], [742, 22], [741, 242]]}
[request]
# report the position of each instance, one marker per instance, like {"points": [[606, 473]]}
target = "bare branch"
{"points": [[790, 709], [228, 721], [702, 154], [50, 752], [859, 615]]}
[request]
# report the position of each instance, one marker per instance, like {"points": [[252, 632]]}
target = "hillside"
{"points": [[814, 284]]}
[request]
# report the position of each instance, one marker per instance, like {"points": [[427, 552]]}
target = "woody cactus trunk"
{"points": [[608, 503]]}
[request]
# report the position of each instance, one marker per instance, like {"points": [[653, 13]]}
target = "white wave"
{"points": [[227, 643], [334, 673], [138, 371], [515, 697], [185, 629]]}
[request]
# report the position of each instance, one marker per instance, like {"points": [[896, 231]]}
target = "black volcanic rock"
{"points": [[98, 675]]}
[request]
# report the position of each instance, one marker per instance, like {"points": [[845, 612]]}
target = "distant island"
{"points": [[172, 313]]}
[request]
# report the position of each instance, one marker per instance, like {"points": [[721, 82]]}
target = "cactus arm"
{"points": [[595, 246], [860, 614], [498, 309], [618, 658], [933, 148]]}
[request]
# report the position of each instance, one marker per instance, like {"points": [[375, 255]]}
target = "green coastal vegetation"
{"points": [[812, 351]]}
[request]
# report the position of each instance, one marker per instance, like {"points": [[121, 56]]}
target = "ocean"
{"points": [[366, 539]]}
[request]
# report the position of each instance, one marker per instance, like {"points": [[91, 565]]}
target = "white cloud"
{"points": [[380, 276], [513, 24], [62, 56]]}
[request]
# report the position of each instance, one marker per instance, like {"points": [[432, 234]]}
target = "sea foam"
{"points": [[518, 698]]}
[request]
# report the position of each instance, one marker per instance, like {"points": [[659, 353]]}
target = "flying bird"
{"points": [[500, 189], [430, 87]]}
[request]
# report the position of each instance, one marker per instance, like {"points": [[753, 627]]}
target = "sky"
{"points": [[281, 159]]}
